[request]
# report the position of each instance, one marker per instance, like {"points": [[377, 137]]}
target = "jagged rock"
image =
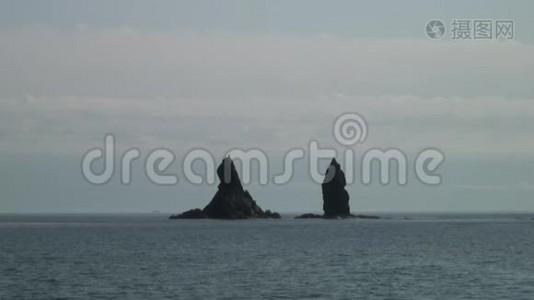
{"points": [[335, 197], [271, 215], [231, 201], [365, 217], [309, 216], [190, 214]]}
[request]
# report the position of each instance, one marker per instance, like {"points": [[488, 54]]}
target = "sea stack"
{"points": [[335, 197], [231, 201]]}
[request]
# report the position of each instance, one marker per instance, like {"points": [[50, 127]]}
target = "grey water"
{"points": [[150, 257]]}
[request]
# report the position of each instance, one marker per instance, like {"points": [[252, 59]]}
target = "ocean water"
{"points": [[150, 257]]}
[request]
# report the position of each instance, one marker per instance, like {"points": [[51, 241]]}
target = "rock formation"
{"points": [[335, 197], [231, 201]]}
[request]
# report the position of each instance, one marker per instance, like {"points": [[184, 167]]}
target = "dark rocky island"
{"points": [[335, 197], [231, 201]]}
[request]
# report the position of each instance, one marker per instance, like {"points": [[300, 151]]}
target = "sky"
{"points": [[270, 75]]}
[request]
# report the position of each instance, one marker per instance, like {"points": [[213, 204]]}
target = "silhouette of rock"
{"points": [[190, 214], [231, 201], [309, 216], [335, 197], [365, 217]]}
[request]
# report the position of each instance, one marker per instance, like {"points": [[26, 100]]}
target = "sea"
{"points": [[418, 256]]}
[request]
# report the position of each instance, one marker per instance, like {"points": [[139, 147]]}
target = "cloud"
{"points": [[124, 62], [454, 125], [62, 90]]}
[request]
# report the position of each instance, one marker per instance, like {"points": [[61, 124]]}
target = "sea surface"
{"points": [[150, 257]]}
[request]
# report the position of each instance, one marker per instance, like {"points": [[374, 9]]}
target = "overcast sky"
{"points": [[265, 74]]}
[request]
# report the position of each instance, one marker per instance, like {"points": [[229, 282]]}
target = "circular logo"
{"points": [[435, 29], [350, 129]]}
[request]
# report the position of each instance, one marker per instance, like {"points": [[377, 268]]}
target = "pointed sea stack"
{"points": [[231, 201], [335, 197]]}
